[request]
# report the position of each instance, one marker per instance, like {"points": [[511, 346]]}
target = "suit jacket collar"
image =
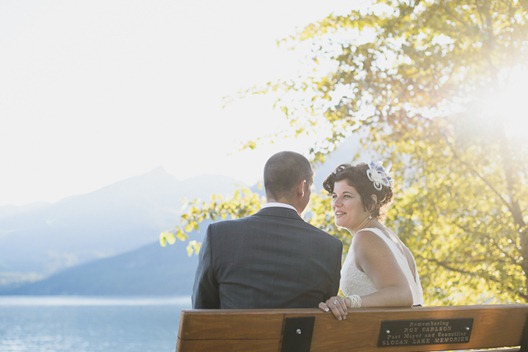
{"points": [[280, 212], [277, 204]]}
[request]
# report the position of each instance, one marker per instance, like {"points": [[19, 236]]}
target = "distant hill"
{"points": [[106, 242], [149, 270], [37, 241]]}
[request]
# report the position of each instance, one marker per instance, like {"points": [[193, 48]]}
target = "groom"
{"points": [[271, 259]]}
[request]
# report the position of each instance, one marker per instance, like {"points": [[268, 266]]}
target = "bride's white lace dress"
{"points": [[356, 282]]}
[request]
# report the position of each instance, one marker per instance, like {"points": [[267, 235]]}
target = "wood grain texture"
{"points": [[493, 326]]}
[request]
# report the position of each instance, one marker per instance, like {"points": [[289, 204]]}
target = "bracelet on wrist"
{"points": [[355, 301]]}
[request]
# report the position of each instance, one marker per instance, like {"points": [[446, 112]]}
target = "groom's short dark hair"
{"points": [[283, 171]]}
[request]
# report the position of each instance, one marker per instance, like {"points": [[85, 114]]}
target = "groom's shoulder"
{"points": [[233, 222], [323, 235]]}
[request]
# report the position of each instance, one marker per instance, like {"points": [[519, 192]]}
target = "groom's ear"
{"points": [[301, 188]]}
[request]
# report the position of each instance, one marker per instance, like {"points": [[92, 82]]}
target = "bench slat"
{"points": [[261, 330], [228, 345], [492, 327], [229, 325]]}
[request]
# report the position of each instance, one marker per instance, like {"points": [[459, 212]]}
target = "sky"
{"points": [[93, 92]]}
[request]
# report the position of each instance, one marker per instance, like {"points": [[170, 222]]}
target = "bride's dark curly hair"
{"points": [[356, 176]]}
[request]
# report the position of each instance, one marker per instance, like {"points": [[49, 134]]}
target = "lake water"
{"points": [[90, 324]]}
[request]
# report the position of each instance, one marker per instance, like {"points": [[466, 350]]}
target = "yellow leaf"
{"points": [[193, 247], [171, 239], [189, 249], [167, 237], [182, 236], [163, 240]]}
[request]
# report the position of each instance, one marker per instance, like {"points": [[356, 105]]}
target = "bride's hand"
{"points": [[337, 305]]}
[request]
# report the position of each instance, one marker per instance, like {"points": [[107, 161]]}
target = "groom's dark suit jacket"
{"points": [[272, 259]]}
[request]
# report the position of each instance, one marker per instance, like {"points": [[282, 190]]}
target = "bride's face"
{"points": [[348, 207]]}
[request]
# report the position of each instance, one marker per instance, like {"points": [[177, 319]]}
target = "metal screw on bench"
{"points": [[387, 331], [467, 328], [298, 331]]}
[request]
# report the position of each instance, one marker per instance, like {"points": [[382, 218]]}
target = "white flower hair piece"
{"points": [[379, 177]]}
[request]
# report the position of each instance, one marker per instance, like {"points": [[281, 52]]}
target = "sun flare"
{"points": [[510, 103]]}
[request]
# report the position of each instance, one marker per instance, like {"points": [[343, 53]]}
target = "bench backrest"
{"points": [[366, 330]]}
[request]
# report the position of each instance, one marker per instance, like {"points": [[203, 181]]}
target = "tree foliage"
{"points": [[243, 203], [420, 81]]}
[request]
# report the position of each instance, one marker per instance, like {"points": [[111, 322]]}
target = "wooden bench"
{"points": [[365, 330]]}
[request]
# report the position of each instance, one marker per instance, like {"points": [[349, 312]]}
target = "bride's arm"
{"points": [[375, 259]]}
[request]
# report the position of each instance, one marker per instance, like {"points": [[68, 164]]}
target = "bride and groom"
{"points": [[274, 259]]}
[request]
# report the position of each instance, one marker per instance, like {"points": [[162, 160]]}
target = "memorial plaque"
{"points": [[424, 332]]}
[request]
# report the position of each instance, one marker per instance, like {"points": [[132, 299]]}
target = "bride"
{"points": [[379, 270]]}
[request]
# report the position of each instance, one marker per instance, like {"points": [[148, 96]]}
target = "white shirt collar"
{"points": [[277, 204]]}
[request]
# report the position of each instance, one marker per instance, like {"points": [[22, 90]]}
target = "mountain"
{"points": [[148, 270], [106, 242], [40, 240]]}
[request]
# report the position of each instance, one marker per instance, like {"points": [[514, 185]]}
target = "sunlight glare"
{"points": [[509, 105]]}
